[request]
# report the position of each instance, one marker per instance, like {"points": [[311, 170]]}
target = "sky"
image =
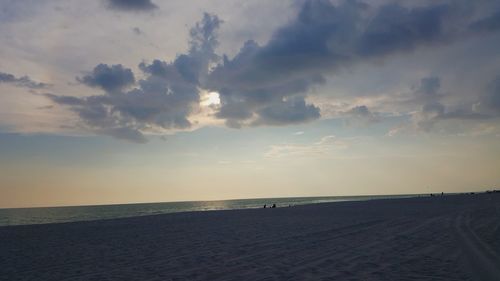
{"points": [[126, 101]]}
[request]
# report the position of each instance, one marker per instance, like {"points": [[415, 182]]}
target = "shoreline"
{"points": [[285, 202], [214, 200]]}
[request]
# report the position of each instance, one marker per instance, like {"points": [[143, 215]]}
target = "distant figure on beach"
{"points": [[265, 206], [274, 206], [442, 193]]}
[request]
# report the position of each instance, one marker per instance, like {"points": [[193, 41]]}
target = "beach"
{"points": [[455, 237]]}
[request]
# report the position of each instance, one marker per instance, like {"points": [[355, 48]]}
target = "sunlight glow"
{"points": [[211, 98]]}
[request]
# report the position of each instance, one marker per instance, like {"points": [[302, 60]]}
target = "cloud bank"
{"points": [[23, 81], [164, 99], [132, 5], [270, 84]]}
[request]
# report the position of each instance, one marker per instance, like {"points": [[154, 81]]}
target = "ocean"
{"points": [[24, 216]]}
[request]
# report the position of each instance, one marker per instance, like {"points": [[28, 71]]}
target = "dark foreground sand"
{"points": [[439, 238]]}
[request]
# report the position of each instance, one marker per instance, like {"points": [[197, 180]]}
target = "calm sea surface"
{"points": [[20, 216]]}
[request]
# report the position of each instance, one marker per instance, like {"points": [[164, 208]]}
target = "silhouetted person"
{"points": [[265, 206], [274, 206]]}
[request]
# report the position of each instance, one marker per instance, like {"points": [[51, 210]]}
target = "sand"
{"points": [[433, 238]]}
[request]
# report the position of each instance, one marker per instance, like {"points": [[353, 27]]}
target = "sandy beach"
{"points": [[429, 238]]}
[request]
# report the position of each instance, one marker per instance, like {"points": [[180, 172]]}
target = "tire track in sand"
{"points": [[484, 263]]}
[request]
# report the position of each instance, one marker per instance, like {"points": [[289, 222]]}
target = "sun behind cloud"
{"points": [[210, 99]]}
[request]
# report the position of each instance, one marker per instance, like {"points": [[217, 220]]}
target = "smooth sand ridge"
{"points": [[432, 238]]}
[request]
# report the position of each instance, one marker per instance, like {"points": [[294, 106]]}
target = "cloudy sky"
{"points": [[118, 101]]}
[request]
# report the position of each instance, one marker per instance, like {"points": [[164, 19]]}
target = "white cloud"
{"points": [[321, 148]]}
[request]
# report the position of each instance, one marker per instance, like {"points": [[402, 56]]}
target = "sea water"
{"points": [[21, 216]]}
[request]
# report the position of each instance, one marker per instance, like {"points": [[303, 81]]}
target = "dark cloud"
{"points": [[23, 81], [431, 108], [490, 23], [137, 31], [164, 99], [428, 115], [361, 115], [427, 91], [428, 88], [268, 84], [396, 28], [67, 100], [489, 101], [428, 99], [109, 78], [261, 77], [465, 114], [322, 39], [132, 5], [293, 110]]}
